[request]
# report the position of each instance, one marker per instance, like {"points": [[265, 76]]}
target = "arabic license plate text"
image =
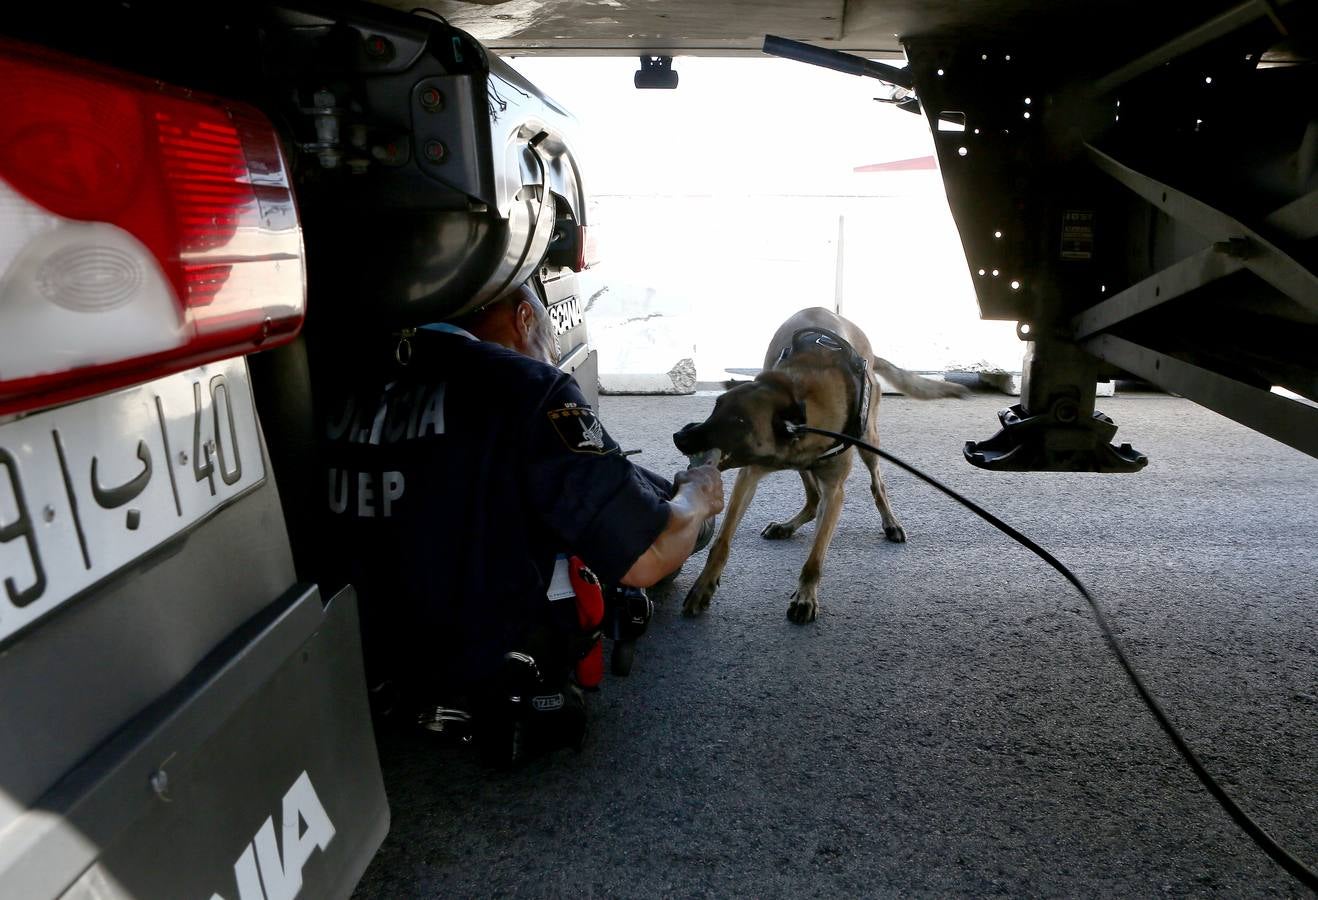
{"points": [[87, 488]]}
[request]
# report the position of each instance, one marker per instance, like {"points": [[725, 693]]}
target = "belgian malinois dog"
{"points": [[819, 370]]}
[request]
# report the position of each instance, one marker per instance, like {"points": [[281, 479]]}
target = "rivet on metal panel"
{"points": [[159, 780]]}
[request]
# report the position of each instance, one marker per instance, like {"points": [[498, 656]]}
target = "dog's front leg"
{"points": [[805, 602], [697, 599], [779, 531]]}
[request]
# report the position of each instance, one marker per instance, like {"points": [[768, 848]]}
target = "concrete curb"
{"points": [[679, 380]]}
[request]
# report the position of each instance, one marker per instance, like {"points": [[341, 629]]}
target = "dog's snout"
{"points": [[688, 439]]}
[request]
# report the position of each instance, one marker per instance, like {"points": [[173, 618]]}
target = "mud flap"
{"points": [[256, 778]]}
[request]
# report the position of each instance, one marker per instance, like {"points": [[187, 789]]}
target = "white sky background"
{"points": [[718, 207], [733, 125]]}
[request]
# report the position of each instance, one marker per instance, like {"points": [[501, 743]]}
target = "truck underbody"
{"points": [[1135, 184]]}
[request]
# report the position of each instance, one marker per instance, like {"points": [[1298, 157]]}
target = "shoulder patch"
{"points": [[581, 430]]}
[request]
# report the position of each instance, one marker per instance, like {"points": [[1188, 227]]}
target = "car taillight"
{"points": [[144, 229], [587, 249]]}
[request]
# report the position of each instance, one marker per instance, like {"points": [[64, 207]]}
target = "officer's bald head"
{"points": [[518, 321]]}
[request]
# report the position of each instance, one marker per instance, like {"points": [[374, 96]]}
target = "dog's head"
{"points": [[748, 425]]}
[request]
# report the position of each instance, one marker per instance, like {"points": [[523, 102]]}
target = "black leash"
{"points": [[1279, 854]]}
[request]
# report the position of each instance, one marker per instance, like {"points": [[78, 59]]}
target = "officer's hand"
{"points": [[703, 485]]}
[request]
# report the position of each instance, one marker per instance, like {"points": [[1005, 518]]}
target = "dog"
{"points": [[819, 370]]}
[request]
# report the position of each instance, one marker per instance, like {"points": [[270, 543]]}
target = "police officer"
{"points": [[459, 481]]}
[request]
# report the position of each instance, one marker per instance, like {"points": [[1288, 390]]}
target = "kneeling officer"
{"points": [[460, 485]]}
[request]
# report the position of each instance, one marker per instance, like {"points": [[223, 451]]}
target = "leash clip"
{"points": [[403, 352]]}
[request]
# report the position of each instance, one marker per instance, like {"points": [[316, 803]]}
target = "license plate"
{"points": [[88, 488]]}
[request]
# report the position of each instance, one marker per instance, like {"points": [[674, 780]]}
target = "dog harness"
{"points": [[816, 339]]}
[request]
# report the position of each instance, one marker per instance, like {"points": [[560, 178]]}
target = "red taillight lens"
{"points": [[143, 230], [587, 249]]}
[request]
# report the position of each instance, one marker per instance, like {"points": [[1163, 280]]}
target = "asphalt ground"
{"points": [[953, 724]]}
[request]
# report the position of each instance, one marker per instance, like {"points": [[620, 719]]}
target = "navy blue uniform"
{"points": [[454, 485]]}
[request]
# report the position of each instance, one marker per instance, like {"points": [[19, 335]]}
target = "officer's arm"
{"points": [[600, 506], [699, 496]]}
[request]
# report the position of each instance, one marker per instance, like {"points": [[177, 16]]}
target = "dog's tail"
{"points": [[915, 386]]}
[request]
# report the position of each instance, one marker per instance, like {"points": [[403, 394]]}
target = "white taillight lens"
{"points": [[143, 230], [77, 294]]}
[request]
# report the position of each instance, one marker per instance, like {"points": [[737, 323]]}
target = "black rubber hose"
{"points": [[1279, 854]]}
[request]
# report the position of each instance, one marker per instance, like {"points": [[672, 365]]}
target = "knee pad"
{"points": [[629, 612], [706, 534], [527, 714]]}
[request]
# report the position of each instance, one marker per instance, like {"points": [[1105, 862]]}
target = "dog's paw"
{"points": [[895, 533], [777, 531], [697, 599], [803, 609]]}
